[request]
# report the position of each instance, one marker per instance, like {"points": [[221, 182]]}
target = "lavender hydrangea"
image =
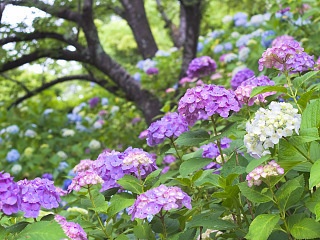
{"points": [[73, 230], [157, 199], [201, 66], [281, 39], [93, 102], [240, 77], [37, 193], [84, 178], [10, 197], [240, 19], [256, 176], [171, 125], [211, 150], [243, 92], [204, 101], [286, 56]]}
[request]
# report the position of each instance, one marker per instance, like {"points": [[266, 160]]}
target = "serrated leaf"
{"points": [[41, 231], [262, 226], [311, 115], [307, 228], [143, 232], [192, 138], [130, 183], [262, 89], [119, 202], [314, 174], [192, 165], [299, 81], [253, 195]]}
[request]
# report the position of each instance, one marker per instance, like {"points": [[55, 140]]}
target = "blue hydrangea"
{"points": [[13, 129], [200, 46], [216, 33], [243, 40], [267, 38], [13, 155], [137, 77], [228, 46], [73, 117], [62, 166], [218, 48], [240, 19]]}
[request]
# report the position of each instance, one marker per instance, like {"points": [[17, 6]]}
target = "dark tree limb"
{"points": [[24, 87], [57, 11], [2, 6], [39, 35], [135, 14], [193, 19], [88, 78]]}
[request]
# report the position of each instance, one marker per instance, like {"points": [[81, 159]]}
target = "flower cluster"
{"points": [[204, 101], [268, 126], [171, 125], [13, 155], [267, 38], [10, 197], [256, 176], [84, 178], [37, 193], [279, 40], [73, 230], [287, 55], [111, 166], [84, 165], [243, 92], [167, 162], [160, 198], [241, 76], [200, 67]]}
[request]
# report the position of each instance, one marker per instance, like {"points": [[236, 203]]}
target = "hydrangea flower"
{"points": [[169, 159], [65, 132], [94, 144], [30, 133], [268, 126], [146, 64], [286, 56], [37, 193], [13, 155], [244, 53], [201, 66], [256, 176], [152, 71], [143, 134], [13, 129], [219, 48], [228, 57], [93, 102], [104, 101], [204, 101], [10, 196], [243, 92], [171, 125], [241, 76], [228, 46], [74, 117], [84, 165], [84, 178], [281, 39], [16, 169], [47, 176], [160, 198], [267, 38], [240, 19], [73, 230]]}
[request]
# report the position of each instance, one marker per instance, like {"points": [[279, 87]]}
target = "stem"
{"points": [[293, 94], [218, 140], [175, 147], [97, 215], [163, 225]]}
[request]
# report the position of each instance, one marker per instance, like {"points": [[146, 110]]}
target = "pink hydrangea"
{"points": [[84, 178], [73, 230]]}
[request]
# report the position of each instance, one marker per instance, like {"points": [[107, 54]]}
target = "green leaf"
{"points": [[305, 98], [41, 231], [317, 211], [152, 178], [299, 81], [311, 115], [253, 195], [130, 183], [208, 178], [18, 227], [143, 231], [192, 138], [193, 164], [119, 202], [255, 163], [314, 174], [263, 89], [290, 193], [211, 221], [262, 226], [188, 234], [307, 228], [289, 152], [2, 232]]}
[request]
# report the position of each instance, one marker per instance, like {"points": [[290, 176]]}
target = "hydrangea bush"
{"points": [[236, 158]]}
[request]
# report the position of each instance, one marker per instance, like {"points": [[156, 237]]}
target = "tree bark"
{"points": [[192, 30], [135, 15]]}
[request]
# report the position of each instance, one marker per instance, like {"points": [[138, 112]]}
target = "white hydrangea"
{"points": [[227, 19], [94, 144], [67, 132], [62, 155], [268, 126], [30, 133]]}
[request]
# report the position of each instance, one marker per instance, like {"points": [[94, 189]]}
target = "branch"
{"points": [[57, 11], [164, 15], [39, 35], [2, 6], [24, 87], [52, 53], [88, 78]]}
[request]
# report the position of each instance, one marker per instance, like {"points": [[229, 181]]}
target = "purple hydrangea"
{"points": [[286, 56], [84, 178], [47, 176], [243, 92], [169, 159], [241, 76], [37, 193], [240, 19], [281, 39], [93, 102], [10, 197], [210, 150], [202, 102], [201, 66], [73, 230], [152, 71], [160, 198], [171, 125]]}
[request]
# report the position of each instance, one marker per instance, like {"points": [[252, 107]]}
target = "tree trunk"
{"points": [[193, 19], [135, 15]]}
